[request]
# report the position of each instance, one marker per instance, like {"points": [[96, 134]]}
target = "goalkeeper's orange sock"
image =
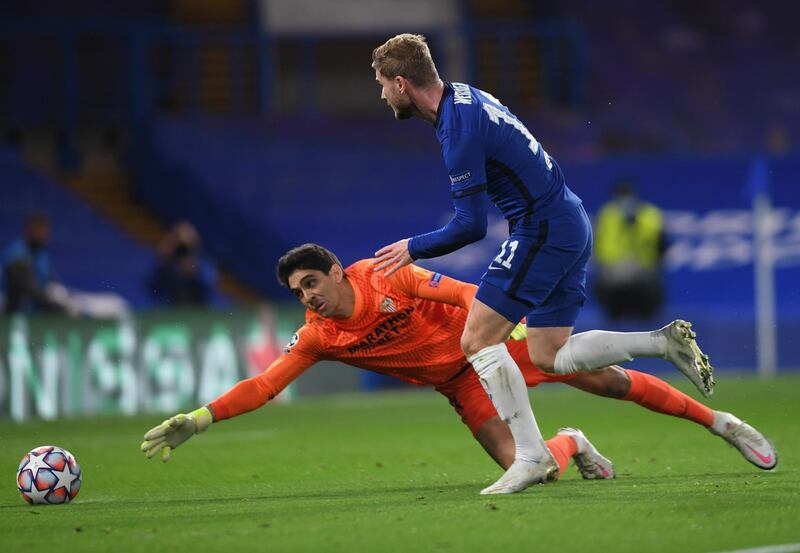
{"points": [[655, 394], [563, 448]]}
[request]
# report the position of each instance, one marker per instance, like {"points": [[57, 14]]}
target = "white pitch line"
{"points": [[783, 548]]}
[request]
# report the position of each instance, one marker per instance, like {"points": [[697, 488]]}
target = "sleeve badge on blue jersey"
{"points": [[455, 179]]}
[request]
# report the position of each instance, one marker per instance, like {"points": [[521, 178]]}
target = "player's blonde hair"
{"points": [[408, 56]]}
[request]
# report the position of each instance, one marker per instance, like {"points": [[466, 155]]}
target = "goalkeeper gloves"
{"points": [[174, 431], [519, 332]]}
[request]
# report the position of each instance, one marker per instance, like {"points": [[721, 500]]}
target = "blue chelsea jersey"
{"points": [[486, 148]]}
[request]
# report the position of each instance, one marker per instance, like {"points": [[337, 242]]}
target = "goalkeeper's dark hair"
{"points": [[308, 256]]}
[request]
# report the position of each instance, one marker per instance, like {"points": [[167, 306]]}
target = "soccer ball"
{"points": [[49, 475]]}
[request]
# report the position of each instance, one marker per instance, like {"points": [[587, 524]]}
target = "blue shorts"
{"points": [[540, 271]]}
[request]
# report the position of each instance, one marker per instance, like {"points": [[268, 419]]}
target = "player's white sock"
{"points": [[599, 348], [502, 380]]}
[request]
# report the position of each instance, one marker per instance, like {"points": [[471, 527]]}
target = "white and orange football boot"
{"points": [[751, 443], [591, 464]]}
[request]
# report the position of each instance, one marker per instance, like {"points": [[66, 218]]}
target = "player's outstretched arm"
{"points": [[246, 396], [174, 431]]}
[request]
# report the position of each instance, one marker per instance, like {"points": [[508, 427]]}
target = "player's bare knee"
{"points": [[544, 361], [470, 344]]}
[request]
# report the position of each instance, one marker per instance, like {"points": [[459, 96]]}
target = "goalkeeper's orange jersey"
{"points": [[408, 326]]}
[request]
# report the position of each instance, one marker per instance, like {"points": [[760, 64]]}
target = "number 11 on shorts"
{"points": [[512, 248]]}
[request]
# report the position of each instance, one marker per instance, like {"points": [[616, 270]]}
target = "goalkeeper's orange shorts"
{"points": [[469, 399]]}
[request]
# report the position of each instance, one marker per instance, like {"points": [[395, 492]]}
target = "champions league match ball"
{"points": [[49, 475]]}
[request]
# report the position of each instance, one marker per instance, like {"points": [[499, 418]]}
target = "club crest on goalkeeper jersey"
{"points": [[392, 330]]}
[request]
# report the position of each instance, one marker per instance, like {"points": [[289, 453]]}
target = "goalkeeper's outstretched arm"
{"points": [[244, 397]]}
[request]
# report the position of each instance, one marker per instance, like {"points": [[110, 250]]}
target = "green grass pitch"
{"points": [[399, 472]]}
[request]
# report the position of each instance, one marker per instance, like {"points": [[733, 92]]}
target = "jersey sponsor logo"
{"points": [[461, 93], [295, 338], [455, 179], [388, 306], [384, 333], [435, 279]]}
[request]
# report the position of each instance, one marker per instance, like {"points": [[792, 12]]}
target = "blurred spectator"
{"points": [[26, 275], [29, 285], [183, 276], [630, 242]]}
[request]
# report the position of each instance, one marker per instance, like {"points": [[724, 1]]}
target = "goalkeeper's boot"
{"points": [[591, 464], [522, 474], [683, 352], [751, 443]]}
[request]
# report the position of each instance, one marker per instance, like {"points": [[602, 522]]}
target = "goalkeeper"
{"points": [[408, 326]]}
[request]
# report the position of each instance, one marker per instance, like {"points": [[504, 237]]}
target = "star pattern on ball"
{"points": [[36, 495], [36, 462], [65, 478]]}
